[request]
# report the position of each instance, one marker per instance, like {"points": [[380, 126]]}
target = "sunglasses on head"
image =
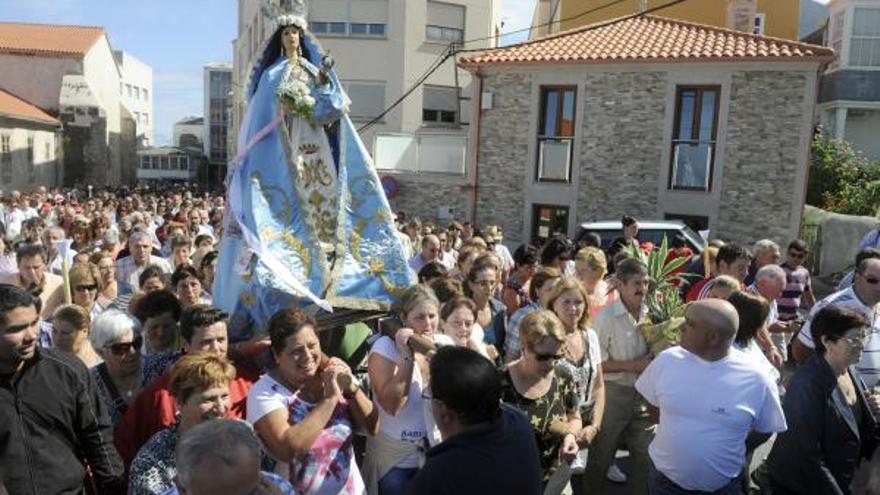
{"points": [[123, 348]]}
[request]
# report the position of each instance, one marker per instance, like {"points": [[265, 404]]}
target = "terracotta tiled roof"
{"points": [[47, 39], [11, 105], [649, 38]]}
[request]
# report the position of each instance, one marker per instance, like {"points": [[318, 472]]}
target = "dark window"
{"points": [[338, 28], [694, 138], [319, 27], [556, 133], [547, 221]]}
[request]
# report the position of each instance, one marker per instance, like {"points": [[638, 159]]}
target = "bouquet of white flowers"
{"points": [[295, 93]]}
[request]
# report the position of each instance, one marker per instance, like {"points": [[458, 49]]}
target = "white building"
{"points": [[29, 145], [381, 48], [218, 98], [189, 132], [166, 163], [71, 72], [136, 89], [849, 95]]}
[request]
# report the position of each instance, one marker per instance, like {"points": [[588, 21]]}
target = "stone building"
{"points": [[652, 117], [70, 73], [29, 145]]}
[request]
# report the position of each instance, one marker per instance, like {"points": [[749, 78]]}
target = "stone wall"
{"points": [[761, 155], [504, 152], [621, 140], [422, 197]]}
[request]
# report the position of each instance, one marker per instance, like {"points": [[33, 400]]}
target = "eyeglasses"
{"points": [[123, 348], [548, 357], [86, 288]]}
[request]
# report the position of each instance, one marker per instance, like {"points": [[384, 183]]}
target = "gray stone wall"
{"points": [[760, 157], [504, 152], [621, 141], [421, 197]]}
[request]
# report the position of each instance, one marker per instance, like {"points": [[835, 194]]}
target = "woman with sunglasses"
{"points": [[117, 339], [85, 285], [571, 304], [545, 392], [830, 413]]}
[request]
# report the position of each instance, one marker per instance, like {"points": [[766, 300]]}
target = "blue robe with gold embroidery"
{"points": [[308, 222]]}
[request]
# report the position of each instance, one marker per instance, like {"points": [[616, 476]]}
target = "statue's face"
{"points": [[290, 40]]}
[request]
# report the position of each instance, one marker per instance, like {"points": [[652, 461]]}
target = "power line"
{"points": [[451, 51], [546, 24], [589, 28], [448, 53]]}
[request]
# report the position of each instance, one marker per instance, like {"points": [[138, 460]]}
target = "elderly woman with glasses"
{"points": [[830, 413], [545, 393], [117, 339], [85, 286]]}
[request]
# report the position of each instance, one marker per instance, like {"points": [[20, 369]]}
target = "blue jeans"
{"points": [[396, 481], [658, 484]]}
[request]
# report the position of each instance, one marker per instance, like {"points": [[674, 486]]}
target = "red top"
{"points": [[155, 409]]}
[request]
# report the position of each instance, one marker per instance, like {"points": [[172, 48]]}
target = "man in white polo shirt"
{"points": [[710, 397], [863, 296]]}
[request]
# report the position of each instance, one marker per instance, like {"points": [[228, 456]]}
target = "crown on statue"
{"points": [[286, 12]]}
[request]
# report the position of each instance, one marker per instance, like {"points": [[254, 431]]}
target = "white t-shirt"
{"points": [[706, 411], [869, 366], [409, 424]]}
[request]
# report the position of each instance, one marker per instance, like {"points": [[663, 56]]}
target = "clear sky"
{"points": [[176, 38]]}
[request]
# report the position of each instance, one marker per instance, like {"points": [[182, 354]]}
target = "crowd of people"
{"points": [[499, 372]]}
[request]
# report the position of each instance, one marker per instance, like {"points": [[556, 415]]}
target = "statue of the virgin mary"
{"points": [[308, 222]]}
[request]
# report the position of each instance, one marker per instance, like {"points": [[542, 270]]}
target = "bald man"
{"points": [[710, 397]]}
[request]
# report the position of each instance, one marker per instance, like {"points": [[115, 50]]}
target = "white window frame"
{"points": [[322, 28], [446, 34], [853, 38], [759, 26]]}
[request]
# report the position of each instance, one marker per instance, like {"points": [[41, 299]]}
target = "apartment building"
{"points": [[849, 95], [381, 48], [218, 95], [136, 91]]}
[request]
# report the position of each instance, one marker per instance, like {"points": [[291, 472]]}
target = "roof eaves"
{"points": [[49, 121], [467, 65]]}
